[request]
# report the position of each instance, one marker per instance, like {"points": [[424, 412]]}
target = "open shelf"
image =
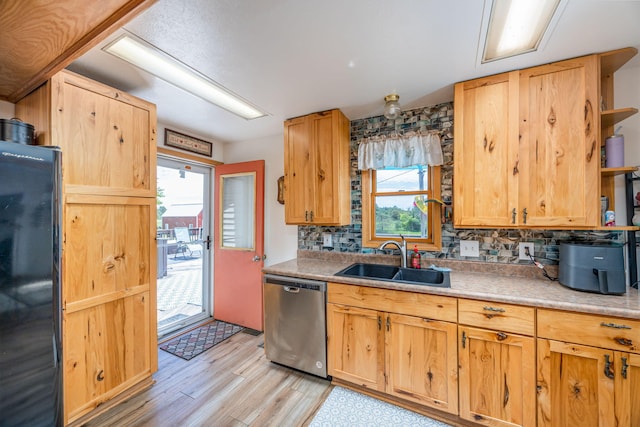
{"points": [[611, 117], [618, 171], [618, 228]]}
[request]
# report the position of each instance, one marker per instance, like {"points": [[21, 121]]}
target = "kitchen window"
{"points": [[402, 200]]}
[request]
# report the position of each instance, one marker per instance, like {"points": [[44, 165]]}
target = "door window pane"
{"points": [[238, 209]]}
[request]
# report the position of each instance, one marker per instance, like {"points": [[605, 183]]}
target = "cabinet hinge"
{"points": [[464, 339]]}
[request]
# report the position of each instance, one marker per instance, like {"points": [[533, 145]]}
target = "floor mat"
{"points": [[345, 407], [193, 342]]}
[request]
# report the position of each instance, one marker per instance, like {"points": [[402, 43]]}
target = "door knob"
{"points": [[259, 258]]}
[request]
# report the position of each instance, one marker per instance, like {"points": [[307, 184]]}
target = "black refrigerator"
{"points": [[30, 310]]}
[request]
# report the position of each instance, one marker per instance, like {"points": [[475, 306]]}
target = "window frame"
{"points": [[369, 238]]}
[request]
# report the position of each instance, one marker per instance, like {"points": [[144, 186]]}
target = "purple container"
{"points": [[614, 151]]}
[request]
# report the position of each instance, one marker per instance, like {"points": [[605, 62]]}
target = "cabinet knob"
{"points": [[100, 376]]}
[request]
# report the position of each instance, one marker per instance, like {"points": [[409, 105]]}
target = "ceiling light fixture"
{"points": [[517, 26], [391, 106], [148, 58]]}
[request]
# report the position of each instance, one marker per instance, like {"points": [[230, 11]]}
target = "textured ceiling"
{"points": [[293, 57]]}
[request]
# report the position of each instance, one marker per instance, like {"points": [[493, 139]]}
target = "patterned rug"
{"points": [[345, 407], [193, 342]]}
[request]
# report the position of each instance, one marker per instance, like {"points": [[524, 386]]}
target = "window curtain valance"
{"points": [[400, 151]]}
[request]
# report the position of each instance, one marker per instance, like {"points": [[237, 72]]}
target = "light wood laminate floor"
{"points": [[232, 384]]}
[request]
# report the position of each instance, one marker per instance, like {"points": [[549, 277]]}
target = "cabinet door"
{"points": [[486, 166], [497, 377], [107, 138], [560, 153], [105, 351], [575, 385], [355, 345], [331, 168], [422, 362], [108, 248], [627, 388], [298, 170]]}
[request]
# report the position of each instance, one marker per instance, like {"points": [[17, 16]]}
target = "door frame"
{"points": [[166, 160]]}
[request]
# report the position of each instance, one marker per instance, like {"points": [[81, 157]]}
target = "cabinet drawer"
{"points": [[599, 331], [499, 316], [410, 303]]}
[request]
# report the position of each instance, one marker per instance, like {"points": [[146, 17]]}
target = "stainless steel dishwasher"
{"points": [[295, 327]]}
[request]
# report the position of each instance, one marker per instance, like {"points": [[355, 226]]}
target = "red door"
{"points": [[238, 255]]}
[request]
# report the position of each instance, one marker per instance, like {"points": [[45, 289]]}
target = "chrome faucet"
{"points": [[402, 248]]}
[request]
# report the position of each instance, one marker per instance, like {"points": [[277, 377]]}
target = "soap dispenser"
{"points": [[415, 258]]}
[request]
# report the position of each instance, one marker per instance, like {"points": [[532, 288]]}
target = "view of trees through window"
{"points": [[400, 196]]}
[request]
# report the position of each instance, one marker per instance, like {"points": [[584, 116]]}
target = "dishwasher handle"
{"points": [[292, 289]]}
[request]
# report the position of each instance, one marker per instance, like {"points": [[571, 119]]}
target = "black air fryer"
{"points": [[592, 267]]}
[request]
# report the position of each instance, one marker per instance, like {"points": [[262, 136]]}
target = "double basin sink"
{"points": [[390, 273]]}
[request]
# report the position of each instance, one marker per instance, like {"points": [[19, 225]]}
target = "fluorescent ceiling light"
{"points": [[517, 26], [169, 69]]}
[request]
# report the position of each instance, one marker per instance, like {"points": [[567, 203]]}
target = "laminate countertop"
{"points": [[501, 283]]}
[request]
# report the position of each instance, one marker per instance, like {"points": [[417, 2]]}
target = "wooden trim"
{"points": [[185, 156], [368, 212], [89, 40], [72, 307]]}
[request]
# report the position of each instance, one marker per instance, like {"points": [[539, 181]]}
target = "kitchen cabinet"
{"points": [[399, 343], [527, 150], [485, 156], [109, 260], [496, 351], [588, 370], [317, 186]]}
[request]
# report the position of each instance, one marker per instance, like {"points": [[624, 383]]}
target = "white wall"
{"points": [[627, 94], [7, 110], [281, 240]]}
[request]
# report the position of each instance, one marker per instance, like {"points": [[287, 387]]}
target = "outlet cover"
{"points": [[469, 248], [327, 240], [522, 254]]}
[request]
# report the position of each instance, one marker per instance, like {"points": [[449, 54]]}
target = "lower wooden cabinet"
{"points": [[497, 377], [355, 346], [421, 361], [587, 385], [487, 363], [410, 357]]}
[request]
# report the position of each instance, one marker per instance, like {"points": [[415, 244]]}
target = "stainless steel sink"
{"points": [[426, 276]]}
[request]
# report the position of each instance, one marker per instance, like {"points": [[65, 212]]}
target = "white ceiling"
{"points": [[294, 57]]}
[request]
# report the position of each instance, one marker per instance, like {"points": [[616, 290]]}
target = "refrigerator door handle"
{"points": [[55, 351]]}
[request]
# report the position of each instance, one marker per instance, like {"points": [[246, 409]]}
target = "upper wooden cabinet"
{"points": [[317, 186], [527, 150], [486, 151], [108, 137]]}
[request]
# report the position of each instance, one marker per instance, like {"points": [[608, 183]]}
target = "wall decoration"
{"points": [[281, 190], [187, 143]]}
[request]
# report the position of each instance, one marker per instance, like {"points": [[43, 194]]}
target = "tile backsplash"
{"points": [[496, 245]]}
